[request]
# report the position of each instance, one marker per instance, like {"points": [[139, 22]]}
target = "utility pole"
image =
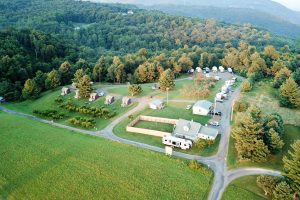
{"points": [[231, 117], [167, 96]]}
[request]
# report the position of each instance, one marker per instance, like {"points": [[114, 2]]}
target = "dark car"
{"points": [[219, 113]]}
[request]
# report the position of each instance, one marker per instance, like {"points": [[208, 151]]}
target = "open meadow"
{"points": [[39, 161]]}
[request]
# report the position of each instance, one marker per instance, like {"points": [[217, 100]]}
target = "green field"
{"points": [[46, 101], [155, 126], [244, 188], [292, 133], [265, 96], [175, 111], [39, 161]]}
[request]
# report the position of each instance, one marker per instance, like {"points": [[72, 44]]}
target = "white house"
{"points": [[194, 131], [126, 101], [221, 69], [156, 104], [202, 107]]}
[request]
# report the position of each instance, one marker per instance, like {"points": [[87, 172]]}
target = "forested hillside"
{"points": [[108, 42], [234, 15]]}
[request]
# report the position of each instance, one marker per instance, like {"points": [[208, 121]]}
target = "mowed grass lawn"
{"points": [[39, 161], [265, 97], [292, 133], [244, 188], [174, 111], [47, 101]]}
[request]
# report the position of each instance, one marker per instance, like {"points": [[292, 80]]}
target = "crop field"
{"points": [[244, 188], [175, 111], [292, 133], [40, 161], [47, 101]]}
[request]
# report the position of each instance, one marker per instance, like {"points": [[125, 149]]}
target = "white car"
{"points": [[215, 123]]}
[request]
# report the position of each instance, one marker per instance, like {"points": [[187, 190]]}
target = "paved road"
{"points": [[218, 162]]}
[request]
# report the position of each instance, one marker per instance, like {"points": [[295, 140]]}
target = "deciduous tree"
{"points": [[53, 80], [167, 80]]}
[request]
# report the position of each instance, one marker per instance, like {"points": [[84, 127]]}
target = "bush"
{"points": [[240, 106], [193, 164], [246, 86], [52, 114], [82, 122]]}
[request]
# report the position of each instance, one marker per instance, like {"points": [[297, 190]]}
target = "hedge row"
{"points": [[52, 114]]}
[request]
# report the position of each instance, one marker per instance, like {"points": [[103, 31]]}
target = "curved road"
{"points": [[218, 162]]}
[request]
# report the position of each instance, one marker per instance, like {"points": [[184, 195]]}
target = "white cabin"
{"points": [[202, 107]]}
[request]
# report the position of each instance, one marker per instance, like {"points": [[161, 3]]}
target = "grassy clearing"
{"points": [[175, 111], [266, 97], [292, 133], [243, 188], [40, 161], [155, 126], [46, 101]]}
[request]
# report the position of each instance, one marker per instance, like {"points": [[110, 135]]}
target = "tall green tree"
{"points": [[267, 183], [30, 90], [85, 87], [291, 166], [65, 73], [53, 80], [135, 89], [40, 79], [78, 75], [167, 80], [282, 191], [290, 94], [99, 69]]}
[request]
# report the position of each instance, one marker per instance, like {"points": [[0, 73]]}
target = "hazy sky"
{"points": [[292, 4]]}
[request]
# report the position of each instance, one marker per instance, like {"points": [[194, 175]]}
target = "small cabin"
{"points": [[77, 94], [221, 69], [126, 101], [65, 91], [93, 96], [109, 99], [156, 104], [2, 100]]}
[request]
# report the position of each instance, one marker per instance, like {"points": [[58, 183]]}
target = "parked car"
{"points": [[214, 123], [188, 107], [219, 113]]}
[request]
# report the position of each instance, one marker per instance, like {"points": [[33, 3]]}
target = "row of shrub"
{"points": [[95, 112], [52, 114], [82, 122]]}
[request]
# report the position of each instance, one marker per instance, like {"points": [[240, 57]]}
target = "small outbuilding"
{"points": [[221, 69], [109, 99], [156, 104], [126, 101], [65, 91], [2, 100], [214, 69], [202, 107], [93, 96], [77, 96]]}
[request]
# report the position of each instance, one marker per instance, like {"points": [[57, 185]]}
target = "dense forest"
{"points": [[51, 40]]}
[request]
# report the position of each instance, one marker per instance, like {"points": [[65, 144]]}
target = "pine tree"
{"points": [[52, 81], [281, 76], [77, 76], [65, 72], [30, 90], [290, 94], [291, 165], [167, 80], [282, 191], [248, 134], [267, 183], [98, 69], [40, 79], [135, 89], [246, 86], [276, 142], [84, 86]]}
